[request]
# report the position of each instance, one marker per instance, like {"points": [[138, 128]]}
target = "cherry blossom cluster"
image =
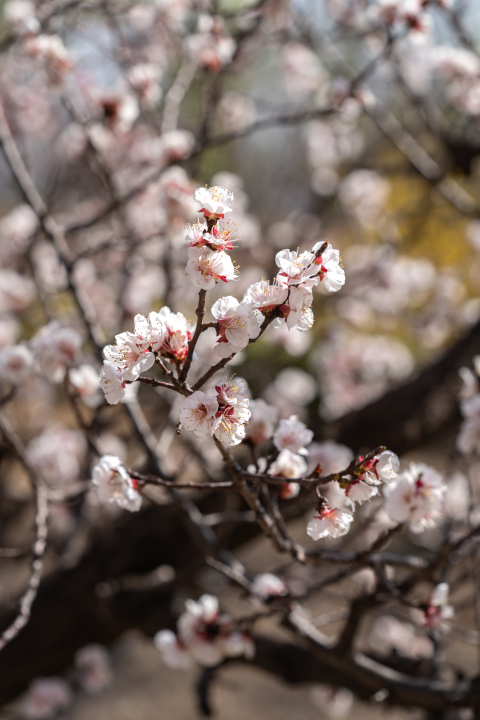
{"points": [[162, 335], [114, 484], [222, 415], [360, 486], [204, 635]]}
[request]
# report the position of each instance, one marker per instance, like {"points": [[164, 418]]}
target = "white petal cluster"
{"points": [[94, 668], [383, 468], [215, 201], [57, 454], [415, 497], [309, 268], [237, 322], [223, 415], [265, 296], [204, 635], [16, 364], [292, 434], [114, 484], [131, 355], [45, 698], [86, 383], [288, 465], [112, 383], [262, 421], [206, 267], [268, 586], [54, 349], [331, 522], [164, 333], [199, 413]]}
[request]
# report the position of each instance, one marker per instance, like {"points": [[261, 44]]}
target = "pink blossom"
{"points": [[114, 484]]}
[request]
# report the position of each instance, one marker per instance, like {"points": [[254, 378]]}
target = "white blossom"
{"points": [[45, 698], [438, 609], [359, 491], [267, 585], [167, 333], [388, 633], [54, 349], [230, 426], [56, 454], [112, 382], [237, 324], [265, 297], [331, 272], [331, 456], [210, 636], [205, 267], [299, 314], [262, 421], [16, 364], [386, 466], [114, 484], [198, 413], [94, 668], [288, 465], [130, 354], [215, 201], [415, 497], [296, 268], [174, 654], [293, 435], [331, 522], [86, 382], [194, 233]]}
